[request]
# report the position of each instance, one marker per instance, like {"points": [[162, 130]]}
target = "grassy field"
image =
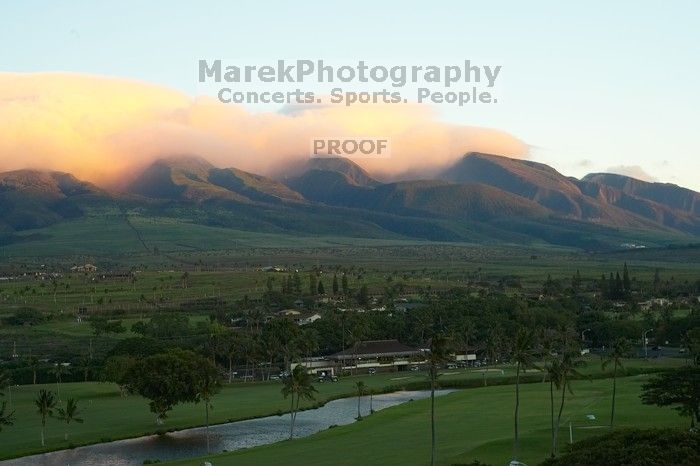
{"points": [[471, 424], [108, 416]]}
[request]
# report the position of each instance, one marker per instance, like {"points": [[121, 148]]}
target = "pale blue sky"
{"points": [[588, 86]]}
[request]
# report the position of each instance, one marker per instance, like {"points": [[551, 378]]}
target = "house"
{"points": [[316, 365], [83, 268], [274, 268], [654, 302], [308, 318]]}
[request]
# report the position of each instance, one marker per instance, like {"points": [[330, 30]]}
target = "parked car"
{"points": [[372, 371], [452, 366], [413, 368]]}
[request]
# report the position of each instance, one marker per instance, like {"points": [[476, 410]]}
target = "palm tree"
{"points": [[33, 363], [553, 372], [439, 353], [228, 347], [567, 371], [620, 349], [59, 369], [524, 358], [209, 385], [84, 367], [69, 414], [4, 381], [298, 385], [6, 419], [360, 385], [45, 404], [548, 339]]}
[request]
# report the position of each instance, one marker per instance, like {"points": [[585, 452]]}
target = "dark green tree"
{"points": [[6, 416], [576, 281], [668, 447], [363, 295], [103, 326], [679, 388], [116, 370], [335, 284], [166, 380], [691, 343], [626, 282]]}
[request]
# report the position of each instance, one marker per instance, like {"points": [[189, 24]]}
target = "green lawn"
{"points": [[472, 424], [130, 417], [108, 416]]}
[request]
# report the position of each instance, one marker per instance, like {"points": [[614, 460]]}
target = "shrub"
{"points": [[651, 447]]}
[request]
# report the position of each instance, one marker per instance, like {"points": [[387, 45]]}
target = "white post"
{"points": [[571, 433]]}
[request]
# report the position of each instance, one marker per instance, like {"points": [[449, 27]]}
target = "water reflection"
{"points": [[223, 437]]}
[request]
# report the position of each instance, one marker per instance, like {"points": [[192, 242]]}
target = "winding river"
{"points": [[223, 437]]}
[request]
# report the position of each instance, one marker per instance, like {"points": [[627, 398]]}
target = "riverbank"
{"points": [[108, 416], [223, 437], [472, 425]]}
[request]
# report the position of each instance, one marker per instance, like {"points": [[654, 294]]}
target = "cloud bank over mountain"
{"points": [[634, 171], [105, 129]]}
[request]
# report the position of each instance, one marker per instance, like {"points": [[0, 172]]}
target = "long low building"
{"points": [[378, 355]]}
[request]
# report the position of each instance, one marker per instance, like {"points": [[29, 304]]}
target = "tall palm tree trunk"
{"points": [[291, 419], [551, 411], [612, 411], [517, 409], [206, 416], [433, 450], [561, 409]]}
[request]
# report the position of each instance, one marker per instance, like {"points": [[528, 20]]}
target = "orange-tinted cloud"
{"points": [[101, 129], [634, 171]]}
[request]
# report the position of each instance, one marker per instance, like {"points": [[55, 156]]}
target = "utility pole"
{"points": [[644, 338]]}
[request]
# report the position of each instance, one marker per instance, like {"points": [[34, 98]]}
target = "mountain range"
{"points": [[480, 198]]}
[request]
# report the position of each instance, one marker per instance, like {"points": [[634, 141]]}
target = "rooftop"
{"points": [[375, 348]]}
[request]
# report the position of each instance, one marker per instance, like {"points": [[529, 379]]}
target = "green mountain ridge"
{"points": [[482, 198]]}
